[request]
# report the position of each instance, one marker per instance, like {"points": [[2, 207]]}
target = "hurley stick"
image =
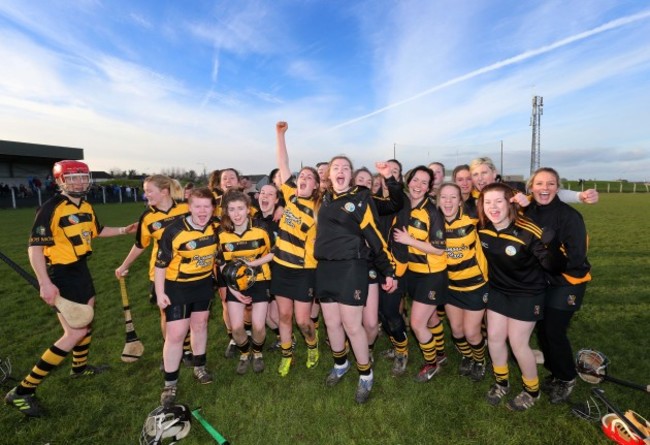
{"points": [[209, 428], [133, 347]]}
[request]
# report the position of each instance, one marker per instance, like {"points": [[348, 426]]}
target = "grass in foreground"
{"points": [[299, 409]]}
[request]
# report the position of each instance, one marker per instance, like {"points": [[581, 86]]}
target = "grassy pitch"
{"points": [[299, 409]]}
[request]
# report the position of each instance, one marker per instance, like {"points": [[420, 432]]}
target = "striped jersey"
{"points": [[466, 263], [426, 224], [64, 229]]}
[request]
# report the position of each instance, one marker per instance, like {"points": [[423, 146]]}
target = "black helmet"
{"points": [[239, 275]]}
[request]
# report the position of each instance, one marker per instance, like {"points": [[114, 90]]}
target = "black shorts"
{"points": [[473, 300], [427, 288], [176, 312], [296, 284], [260, 292], [374, 276], [184, 292], [517, 308], [344, 282], [565, 298], [73, 280]]}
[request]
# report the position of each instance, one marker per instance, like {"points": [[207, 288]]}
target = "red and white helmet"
{"points": [[73, 177]]}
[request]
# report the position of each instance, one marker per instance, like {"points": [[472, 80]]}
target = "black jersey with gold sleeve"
{"points": [[466, 263], [64, 229], [151, 226], [294, 247], [517, 258], [187, 253], [346, 222], [253, 243], [426, 224]]}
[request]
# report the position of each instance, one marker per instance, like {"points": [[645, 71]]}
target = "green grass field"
{"points": [[299, 409]]}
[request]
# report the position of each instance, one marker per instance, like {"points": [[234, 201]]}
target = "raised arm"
{"points": [[281, 151]]}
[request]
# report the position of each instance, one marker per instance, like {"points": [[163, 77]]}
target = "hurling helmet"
{"points": [[591, 365], [5, 370], [162, 423], [69, 175], [239, 275]]}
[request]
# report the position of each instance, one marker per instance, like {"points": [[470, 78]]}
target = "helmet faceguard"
{"points": [[72, 177], [173, 422], [238, 275]]}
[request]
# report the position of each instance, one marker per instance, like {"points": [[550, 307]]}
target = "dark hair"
{"points": [[421, 168], [315, 194], [361, 170], [508, 194], [401, 169], [458, 169], [213, 180], [228, 197], [550, 170]]}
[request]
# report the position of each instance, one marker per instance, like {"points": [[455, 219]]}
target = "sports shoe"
{"points": [[275, 346], [89, 371], [363, 390], [547, 385], [465, 366], [388, 354], [231, 349], [441, 358], [562, 390], [427, 372], [242, 366], [522, 401], [202, 375], [26, 404], [285, 366], [399, 364], [312, 357], [496, 393], [477, 373], [188, 359], [168, 396], [258, 363], [336, 374]]}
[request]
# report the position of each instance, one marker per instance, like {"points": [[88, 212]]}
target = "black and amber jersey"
{"points": [[517, 258], [346, 222], [253, 243], [389, 210], [151, 226], [218, 208], [571, 232], [466, 263], [294, 247], [426, 224], [272, 227], [187, 253], [64, 229]]}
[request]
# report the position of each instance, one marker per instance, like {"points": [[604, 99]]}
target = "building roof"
{"points": [[24, 151]]}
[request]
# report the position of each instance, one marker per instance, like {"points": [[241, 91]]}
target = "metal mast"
{"points": [[535, 118]]}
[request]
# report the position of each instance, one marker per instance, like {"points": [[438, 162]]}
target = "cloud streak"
{"points": [[504, 63]]}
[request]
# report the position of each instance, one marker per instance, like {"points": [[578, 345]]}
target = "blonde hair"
{"points": [[164, 182]]}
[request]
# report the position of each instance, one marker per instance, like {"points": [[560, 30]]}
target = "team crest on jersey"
{"points": [[229, 247], [40, 230], [511, 251], [85, 234], [357, 293], [432, 295], [349, 206], [191, 245], [439, 234], [485, 298], [418, 224], [372, 273], [156, 225], [73, 219], [255, 244], [462, 231], [571, 300], [537, 309]]}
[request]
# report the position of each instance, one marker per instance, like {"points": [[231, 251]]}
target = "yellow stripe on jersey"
{"points": [[425, 224], [294, 246], [152, 224], [65, 230], [466, 262], [187, 253], [254, 243]]}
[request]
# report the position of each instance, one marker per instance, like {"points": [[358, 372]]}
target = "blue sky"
{"points": [[160, 85]]}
